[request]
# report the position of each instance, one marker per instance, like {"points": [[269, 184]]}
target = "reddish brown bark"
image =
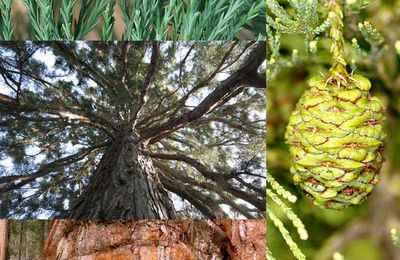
{"points": [[157, 239], [54, 236], [3, 239]]}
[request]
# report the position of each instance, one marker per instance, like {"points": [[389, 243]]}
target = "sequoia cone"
{"points": [[335, 139]]}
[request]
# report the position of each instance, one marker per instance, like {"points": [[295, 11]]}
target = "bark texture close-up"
{"points": [[4, 234], [158, 239]]}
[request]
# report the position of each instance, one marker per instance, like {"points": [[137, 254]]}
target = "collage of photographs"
{"points": [[199, 130]]}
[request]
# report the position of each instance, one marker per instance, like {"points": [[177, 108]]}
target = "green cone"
{"points": [[335, 138]]}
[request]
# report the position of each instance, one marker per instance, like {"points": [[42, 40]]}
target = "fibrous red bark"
{"points": [[157, 239], [3, 239]]}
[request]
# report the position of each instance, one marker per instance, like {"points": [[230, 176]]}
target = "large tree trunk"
{"points": [[157, 239], [125, 185], [4, 235]]}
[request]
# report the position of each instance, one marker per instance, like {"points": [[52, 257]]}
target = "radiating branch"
{"points": [[17, 181], [214, 99], [254, 198]]}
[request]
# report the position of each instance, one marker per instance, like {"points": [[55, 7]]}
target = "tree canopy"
{"points": [[195, 109]]}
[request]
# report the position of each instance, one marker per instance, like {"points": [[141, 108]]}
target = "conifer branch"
{"points": [[338, 68]]}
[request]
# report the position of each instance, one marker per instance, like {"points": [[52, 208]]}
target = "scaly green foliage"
{"points": [[275, 62], [303, 20], [395, 237], [278, 194]]}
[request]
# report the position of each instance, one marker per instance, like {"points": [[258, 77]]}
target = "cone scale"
{"points": [[335, 134]]}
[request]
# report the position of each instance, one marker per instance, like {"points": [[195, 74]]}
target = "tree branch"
{"points": [[125, 51], [151, 70], [225, 198], [214, 99], [22, 180], [87, 68], [230, 123], [12, 105], [205, 204], [258, 201]]}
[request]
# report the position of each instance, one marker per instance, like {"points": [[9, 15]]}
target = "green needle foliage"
{"points": [[89, 15], [374, 39], [40, 15], [197, 20], [143, 20], [108, 24], [5, 21], [66, 18], [46, 27]]}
